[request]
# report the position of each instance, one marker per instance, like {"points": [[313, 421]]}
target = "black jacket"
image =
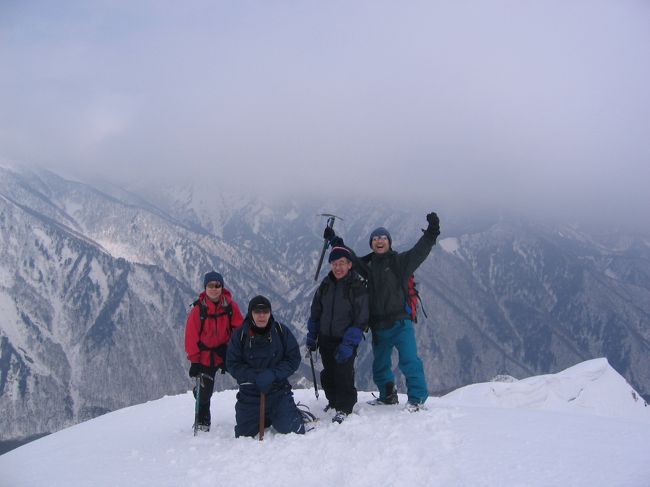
{"points": [[337, 305], [388, 275]]}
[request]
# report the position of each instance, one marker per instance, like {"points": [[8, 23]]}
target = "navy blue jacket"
{"points": [[250, 353]]}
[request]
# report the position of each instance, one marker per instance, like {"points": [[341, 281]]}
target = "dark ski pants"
{"points": [[280, 411], [337, 379], [402, 337], [206, 389]]}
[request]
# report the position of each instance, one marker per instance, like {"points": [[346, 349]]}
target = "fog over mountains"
{"points": [[96, 283]]}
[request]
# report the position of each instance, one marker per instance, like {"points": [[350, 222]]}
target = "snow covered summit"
{"points": [[581, 427], [591, 387]]}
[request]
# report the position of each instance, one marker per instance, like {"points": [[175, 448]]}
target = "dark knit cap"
{"points": [[338, 252], [212, 276], [378, 232], [259, 303]]}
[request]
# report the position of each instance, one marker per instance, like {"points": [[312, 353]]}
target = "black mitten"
{"points": [[195, 369], [434, 224], [329, 233], [221, 350]]}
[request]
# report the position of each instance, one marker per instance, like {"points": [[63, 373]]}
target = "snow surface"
{"points": [[581, 427], [449, 245]]}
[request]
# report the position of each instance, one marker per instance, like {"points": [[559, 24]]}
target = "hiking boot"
{"points": [[204, 415], [391, 394], [390, 398], [339, 417], [414, 407]]}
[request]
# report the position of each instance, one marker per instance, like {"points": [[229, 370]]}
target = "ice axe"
{"points": [[330, 224]]}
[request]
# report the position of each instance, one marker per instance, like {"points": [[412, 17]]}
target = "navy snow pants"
{"points": [[281, 412]]}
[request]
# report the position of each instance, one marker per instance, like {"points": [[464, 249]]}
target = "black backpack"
{"points": [[221, 349]]}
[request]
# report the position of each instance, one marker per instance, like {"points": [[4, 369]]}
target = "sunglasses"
{"points": [[213, 285]]}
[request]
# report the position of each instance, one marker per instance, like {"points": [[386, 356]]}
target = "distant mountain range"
{"points": [[96, 283]]}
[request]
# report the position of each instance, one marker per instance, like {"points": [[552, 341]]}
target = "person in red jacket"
{"points": [[207, 332]]}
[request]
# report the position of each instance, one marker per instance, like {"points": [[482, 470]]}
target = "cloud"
{"points": [[525, 104]]}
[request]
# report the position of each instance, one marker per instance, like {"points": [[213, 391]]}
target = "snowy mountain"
{"points": [[584, 426], [83, 332], [97, 281]]}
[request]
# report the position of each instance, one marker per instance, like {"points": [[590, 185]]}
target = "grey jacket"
{"points": [[337, 305]]}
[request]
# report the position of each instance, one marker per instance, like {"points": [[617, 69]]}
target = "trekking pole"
{"points": [[313, 374], [197, 387], [262, 414], [197, 397], [330, 223]]}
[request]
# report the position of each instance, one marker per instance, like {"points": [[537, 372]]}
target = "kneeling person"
{"points": [[262, 355]]}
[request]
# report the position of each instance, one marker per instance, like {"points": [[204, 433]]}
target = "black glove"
{"points": [[434, 224], [329, 233], [312, 342], [195, 369], [221, 350]]}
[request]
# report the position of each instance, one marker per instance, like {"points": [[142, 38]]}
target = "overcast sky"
{"points": [[524, 103]]}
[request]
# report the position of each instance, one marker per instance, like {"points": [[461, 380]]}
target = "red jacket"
{"points": [[216, 330]]}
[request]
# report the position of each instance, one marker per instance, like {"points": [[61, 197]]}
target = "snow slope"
{"points": [[580, 427]]}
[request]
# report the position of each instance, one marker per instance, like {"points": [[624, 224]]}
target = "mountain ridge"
{"points": [[96, 290]]}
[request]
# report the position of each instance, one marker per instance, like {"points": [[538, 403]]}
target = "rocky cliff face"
{"points": [[96, 285]]}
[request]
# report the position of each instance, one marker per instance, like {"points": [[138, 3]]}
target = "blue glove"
{"points": [[311, 342], [264, 380], [351, 339], [343, 353], [352, 336]]}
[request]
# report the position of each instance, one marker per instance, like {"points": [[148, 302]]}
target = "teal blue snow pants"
{"points": [[401, 336]]}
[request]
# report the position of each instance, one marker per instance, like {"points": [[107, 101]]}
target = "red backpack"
{"points": [[412, 295], [412, 298]]}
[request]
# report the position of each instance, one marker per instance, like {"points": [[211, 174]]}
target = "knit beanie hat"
{"points": [[338, 252], [212, 276], [378, 232], [259, 303]]}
